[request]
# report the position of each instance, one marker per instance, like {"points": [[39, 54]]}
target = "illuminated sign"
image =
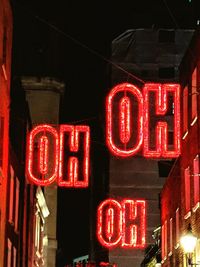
{"points": [[133, 119], [122, 224], [58, 156], [131, 113], [136, 120]]}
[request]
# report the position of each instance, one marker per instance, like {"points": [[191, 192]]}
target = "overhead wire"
{"points": [[176, 24], [84, 46]]}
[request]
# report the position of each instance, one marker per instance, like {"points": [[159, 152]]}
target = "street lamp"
{"points": [[188, 242]]}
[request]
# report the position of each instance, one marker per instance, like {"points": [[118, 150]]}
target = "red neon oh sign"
{"points": [[58, 156], [135, 119], [122, 224]]}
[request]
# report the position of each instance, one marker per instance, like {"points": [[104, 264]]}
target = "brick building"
{"points": [[5, 73], [24, 199], [180, 198], [153, 55]]}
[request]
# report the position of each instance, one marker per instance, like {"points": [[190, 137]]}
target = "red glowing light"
{"points": [[49, 162], [108, 264], [126, 94], [74, 164], [161, 129], [109, 223], [43, 150], [45, 174], [107, 237], [126, 221], [124, 121], [133, 233], [123, 93]]}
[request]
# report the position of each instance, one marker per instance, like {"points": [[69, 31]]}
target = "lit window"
{"points": [[194, 96], [163, 242], [187, 192], [4, 45], [11, 197], [196, 182], [197, 251], [165, 248], [4, 53], [9, 252], [14, 257], [185, 110], [14, 199], [170, 236], [16, 203], [177, 228], [39, 237]]}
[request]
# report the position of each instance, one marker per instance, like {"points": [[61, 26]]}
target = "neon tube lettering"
{"points": [[122, 224], [120, 144]]}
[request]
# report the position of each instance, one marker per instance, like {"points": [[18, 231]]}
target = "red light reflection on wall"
{"points": [[126, 103], [50, 155], [127, 221]]}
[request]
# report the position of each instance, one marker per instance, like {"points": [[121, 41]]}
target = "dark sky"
{"points": [[71, 40]]}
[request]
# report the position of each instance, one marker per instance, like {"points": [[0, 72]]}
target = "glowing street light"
{"points": [[188, 242]]}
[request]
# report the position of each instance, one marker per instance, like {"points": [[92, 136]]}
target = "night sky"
{"points": [[71, 40]]}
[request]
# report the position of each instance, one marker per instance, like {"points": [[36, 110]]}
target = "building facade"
{"points": [[183, 182], [5, 73], [152, 55], [43, 96]]}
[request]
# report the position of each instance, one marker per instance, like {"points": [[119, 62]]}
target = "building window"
{"points": [[9, 253], [196, 182], [166, 36], [185, 111], [170, 236], [1, 140], [194, 96], [177, 228], [16, 203], [163, 242], [166, 73], [197, 251], [39, 236], [4, 45], [165, 248], [164, 167], [14, 257], [187, 192], [4, 53], [11, 197], [14, 199]]}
